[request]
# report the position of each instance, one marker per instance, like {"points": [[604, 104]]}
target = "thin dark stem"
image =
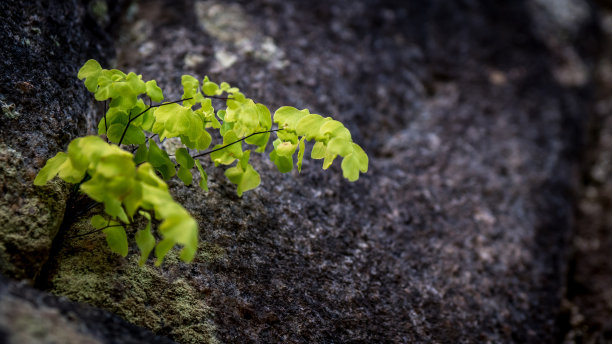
{"points": [[105, 123], [217, 97], [92, 232], [168, 103], [229, 144], [140, 114]]}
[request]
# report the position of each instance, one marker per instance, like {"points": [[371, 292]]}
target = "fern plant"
{"points": [[131, 184]]}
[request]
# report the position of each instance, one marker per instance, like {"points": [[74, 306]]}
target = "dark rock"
{"points": [[43, 107], [29, 316], [472, 116]]}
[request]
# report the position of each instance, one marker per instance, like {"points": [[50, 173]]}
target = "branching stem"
{"points": [[92, 232], [229, 144], [140, 114]]}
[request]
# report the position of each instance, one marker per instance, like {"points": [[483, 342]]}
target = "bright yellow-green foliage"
{"points": [[123, 188], [128, 183]]}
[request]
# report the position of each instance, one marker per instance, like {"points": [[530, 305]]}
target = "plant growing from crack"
{"points": [[129, 183]]}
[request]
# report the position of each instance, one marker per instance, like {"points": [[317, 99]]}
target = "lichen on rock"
{"points": [[88, 272], [29, 217]]}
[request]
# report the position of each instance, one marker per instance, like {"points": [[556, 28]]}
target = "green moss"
{"points": [[29, 216], [88, 272]]}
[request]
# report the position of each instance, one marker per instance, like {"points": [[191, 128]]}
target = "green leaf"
{"points": [[329, 159], [286, 149], [97, 221], [228, 154], [288, 117], [162, 248], [153, 91], [133, 200], [340, 146], [182, 229], [115, 132], [117, 240], [185, 175], [246, 178], [160, 161], [115, 165], [362, 158], [141, 154], [335, 128], [51, 168], [183, 158], [203, 176], [70, 174], [90, 72], [283, 163], [145, 242], [244, 115], [146, 174], [113, 116], [265, 123], [85, 152], [190, 88], [113, 208], [209, 88], [309, 126], [134, 136], [318, 150], [136, 85], [148, 119], [350, 167], [300, 155]]}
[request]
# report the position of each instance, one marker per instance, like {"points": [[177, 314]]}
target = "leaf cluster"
{"points": [[132, 184]]}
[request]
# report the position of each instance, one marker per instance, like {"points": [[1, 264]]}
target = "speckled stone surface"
{"points": [[472, 117], [43, 108]]}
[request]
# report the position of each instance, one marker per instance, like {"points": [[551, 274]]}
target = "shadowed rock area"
{"points": [[472, 114], [29, 316]]}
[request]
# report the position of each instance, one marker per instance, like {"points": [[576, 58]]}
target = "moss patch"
{"points": [[88, 272], [30, 216]]}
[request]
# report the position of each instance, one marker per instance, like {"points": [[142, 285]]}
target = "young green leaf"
{"points": [[183, 158], [141, 154], [51, 168], [117, 239], [97, 221], [153, 91], [203, 176], [90, 72], [245, 178], [300, 155], [161, 161], [318, 150], [227, 155], [185, 175], [145, 242]]}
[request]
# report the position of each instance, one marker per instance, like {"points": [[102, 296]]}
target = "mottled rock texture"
{"points": [[43, 107], [589, 296], [472, 116]]}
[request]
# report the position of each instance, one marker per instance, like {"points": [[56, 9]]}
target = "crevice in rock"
{"points": [[77, 205]]}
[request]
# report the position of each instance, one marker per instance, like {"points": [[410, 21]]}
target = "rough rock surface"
{"points": [[589, 297], [29, 316], [43, 107], [471, 112], [472, 119]]}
